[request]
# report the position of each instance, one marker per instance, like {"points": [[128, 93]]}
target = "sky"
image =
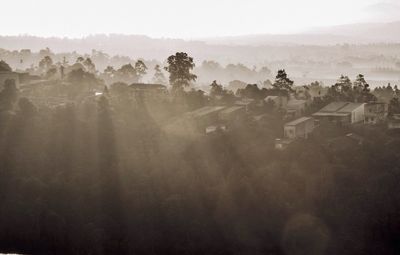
{"points": [[188, 19]]}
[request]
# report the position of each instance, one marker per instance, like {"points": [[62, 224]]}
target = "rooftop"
{"points": [[206, 110], [350, 107], [339, 107], [146, 86], [231, 109], [335, 114], [298, 121]]}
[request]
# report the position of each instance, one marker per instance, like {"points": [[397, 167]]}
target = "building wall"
{"points": [[301, 130], [290, 132], [358, 115]]}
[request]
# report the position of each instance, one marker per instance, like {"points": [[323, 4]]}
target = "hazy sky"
{"points": [[186, 18]]}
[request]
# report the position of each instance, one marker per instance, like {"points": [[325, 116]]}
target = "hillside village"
{"points": [[89, 157], [300, 109]]}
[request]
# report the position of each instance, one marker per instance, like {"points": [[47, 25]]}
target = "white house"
{"points": [[342, 112], [299, 128]]}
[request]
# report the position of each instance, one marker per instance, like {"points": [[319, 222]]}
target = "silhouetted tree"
{"points": [[90, 66], [159, 77], [216, 89], [45, 64], [282, 82], [141, 69], [127, 73], [179, 68], [362, 90]]}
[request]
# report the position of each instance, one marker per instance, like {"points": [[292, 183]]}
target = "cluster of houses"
{"points": [[210, 119], [339, 113]]}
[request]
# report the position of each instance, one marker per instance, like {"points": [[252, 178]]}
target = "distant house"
{"points": [[232, 113], [6, 75], [248, 103], [278, 102], [299, 128], [205, 116], [375, 113], [295, 108], [341, 113], [147, 90]]}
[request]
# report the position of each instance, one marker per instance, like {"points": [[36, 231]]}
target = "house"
{"points": [[341, 113], [7, 75], [205, 116], [375, 112], [146, 91], [299, 128], [295, 108], [232, 113], [277, 101], [248, 103]]}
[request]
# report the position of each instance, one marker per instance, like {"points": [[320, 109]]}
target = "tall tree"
{"points": [[342, 90], [159, 77], [362, 92], [282, 82], [127, 73], [45, 64], [141, 69], [179, 68], [216, 89], [90, 67]]}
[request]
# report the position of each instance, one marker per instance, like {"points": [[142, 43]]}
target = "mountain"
{"points": [[353, 33], [369, 32], [246, 49]]}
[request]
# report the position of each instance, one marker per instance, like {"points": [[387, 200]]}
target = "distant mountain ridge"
{"points": [[362, 33], [233, 49]]}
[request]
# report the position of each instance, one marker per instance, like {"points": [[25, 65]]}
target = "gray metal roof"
{"points": [[338, 107], [333, 107], [298, 121], [206, 110], [232, 109], [350, 107]]}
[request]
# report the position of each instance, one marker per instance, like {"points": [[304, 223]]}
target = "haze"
{"points": [[186, 19]]}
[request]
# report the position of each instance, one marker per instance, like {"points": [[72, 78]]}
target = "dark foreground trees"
{"points": [[86, 179]]}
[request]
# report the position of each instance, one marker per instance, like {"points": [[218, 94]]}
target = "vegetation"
{"points": [[179, 68]]}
